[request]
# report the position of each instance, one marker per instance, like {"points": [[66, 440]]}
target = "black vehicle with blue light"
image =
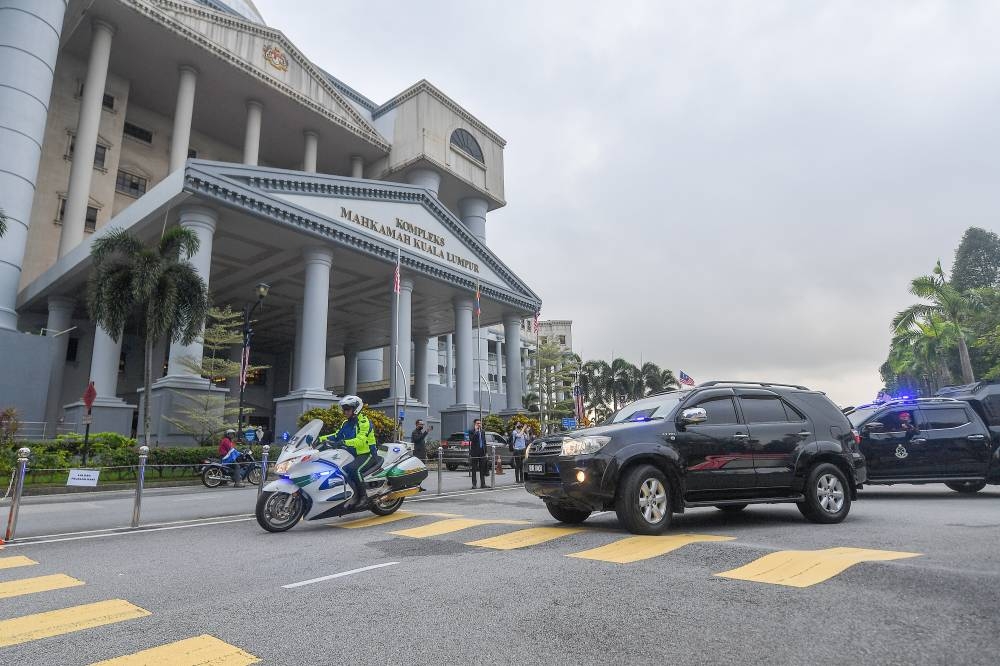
{"points": [[933, 440], [722, 444]]}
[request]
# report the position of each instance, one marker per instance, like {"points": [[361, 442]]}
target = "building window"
{"points": [[130, 184], [192, 154], [100, 153], [72, 347], [257, 377], [89, 223], [545, 340], [138, 133], [467, 143], [562, 339], [108, 102]]}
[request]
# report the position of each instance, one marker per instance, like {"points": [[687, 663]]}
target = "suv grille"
{"points": [[541, 449]]}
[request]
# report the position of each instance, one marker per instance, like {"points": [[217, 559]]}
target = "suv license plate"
{"points": [[539, 468]]}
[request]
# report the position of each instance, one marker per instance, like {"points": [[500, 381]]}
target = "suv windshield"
{"points": [[860, 414], [654, 407]]}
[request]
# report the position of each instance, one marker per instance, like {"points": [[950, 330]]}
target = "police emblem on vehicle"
{"points": [[901, 452]]}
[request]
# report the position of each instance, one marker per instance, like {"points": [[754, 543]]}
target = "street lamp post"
{"points": [[248, 311]]}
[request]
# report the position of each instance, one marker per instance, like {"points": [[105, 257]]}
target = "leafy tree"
{"points": [[534, 426], [493, 423], [154, 287], [553, 374], [656, 380], [947, 303], [977, 260]]}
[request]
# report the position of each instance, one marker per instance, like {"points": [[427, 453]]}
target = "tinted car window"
{"points": [[858, 416], [720, 410], [649, 408], [763, 410], [792, 414], [950, 417], [898, 420]]}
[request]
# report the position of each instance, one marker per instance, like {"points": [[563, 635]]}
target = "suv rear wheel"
{"points": [[967, 487], [567, 515], [828, 497], [643, 504]]}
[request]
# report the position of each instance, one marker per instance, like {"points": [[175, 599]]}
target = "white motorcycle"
{"points": [[311, 482]]}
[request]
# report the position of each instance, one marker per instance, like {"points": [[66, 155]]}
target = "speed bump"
{"points": [[637, 548], [198, 651], [524, 538], [803, 568]]}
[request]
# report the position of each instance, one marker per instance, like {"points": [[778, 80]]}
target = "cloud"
{"points": [[735, 189]]}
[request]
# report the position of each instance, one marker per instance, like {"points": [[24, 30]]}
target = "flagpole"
{"points": [[395, 351], [479, 349], [538, 375]]}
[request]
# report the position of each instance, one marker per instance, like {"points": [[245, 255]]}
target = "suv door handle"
{"points": [[741, 435], [976, 438], [805, 433], [918, 440]]}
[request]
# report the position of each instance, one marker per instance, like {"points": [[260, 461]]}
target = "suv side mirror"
{"points": [[874, 426], [693, 416]]}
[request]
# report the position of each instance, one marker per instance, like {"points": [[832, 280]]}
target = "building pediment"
{"points": [[268, 53], [379, 218]]}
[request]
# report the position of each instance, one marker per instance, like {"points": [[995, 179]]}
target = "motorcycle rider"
{"points": [[357, 435], [229, 455]]}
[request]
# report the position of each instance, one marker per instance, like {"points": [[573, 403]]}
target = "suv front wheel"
{"points": [[828, 496], [567, 515], [643, 504]]}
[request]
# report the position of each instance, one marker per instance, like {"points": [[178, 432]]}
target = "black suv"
{"points": [[722, 444], [927, 440]]}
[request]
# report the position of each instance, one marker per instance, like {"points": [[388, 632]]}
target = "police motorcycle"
{"points": [[311, 482]]}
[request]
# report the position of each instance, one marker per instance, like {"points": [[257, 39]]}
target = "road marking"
{"points": [[127, 532], [16, 588], [371, 521], [450, 525], [150, 527], [198, 651], [636, 548], [76, 618], [803, 568], [338, 575], [16, 561], [524, 538]]}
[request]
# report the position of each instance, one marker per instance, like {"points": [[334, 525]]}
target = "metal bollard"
{"points": [[493, 464], [263, 469], [15, 500], [140, 480], [440, 465]]}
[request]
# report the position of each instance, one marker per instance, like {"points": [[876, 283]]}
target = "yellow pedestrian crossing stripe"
{"points": [[199, 651], [634, 549], [372, 521], [76, 618], [16, 561], [524, 538], [803, 568], [16, 588], [450, 525]]}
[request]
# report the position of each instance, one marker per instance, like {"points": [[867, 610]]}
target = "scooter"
{"points": [[311, 482], [215, 473]]}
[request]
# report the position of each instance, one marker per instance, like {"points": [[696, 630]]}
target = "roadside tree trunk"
{"points": [[963, 354]]}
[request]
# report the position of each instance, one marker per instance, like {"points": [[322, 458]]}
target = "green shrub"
{"points": [[333, 418], [493, 423]]}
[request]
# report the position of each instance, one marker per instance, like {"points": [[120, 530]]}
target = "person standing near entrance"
{"points": [[477, 453], [419, 439], [518, 445]]}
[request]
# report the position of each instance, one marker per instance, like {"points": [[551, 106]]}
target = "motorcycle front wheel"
{"points": [[278, 512], [383, 508], [214, 476]]}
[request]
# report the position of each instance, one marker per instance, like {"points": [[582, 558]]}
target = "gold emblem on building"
{"points": [[275, 58]]}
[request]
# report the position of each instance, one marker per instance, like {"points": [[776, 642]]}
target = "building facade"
{"points": [[141, 114]]}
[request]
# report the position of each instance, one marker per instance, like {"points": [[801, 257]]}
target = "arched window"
{"points": [[464, 141]]}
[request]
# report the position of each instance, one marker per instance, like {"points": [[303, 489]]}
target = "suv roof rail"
{"points": [[765, 384], [902, 401]]}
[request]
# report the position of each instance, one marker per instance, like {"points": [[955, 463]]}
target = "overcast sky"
{"points": [[735, 189]]}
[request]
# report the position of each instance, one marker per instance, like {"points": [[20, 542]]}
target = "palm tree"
{"points": [[593, 381], [919, 351], [947, 303], [620, 381], [657, 380], [154, 287]]}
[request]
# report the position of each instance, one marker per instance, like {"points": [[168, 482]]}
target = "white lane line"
{"points": [[442, 496], [146, 527], [125, 533], [337, 575]]}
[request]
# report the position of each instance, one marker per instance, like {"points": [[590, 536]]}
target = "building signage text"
{"points": [[411, 235]]}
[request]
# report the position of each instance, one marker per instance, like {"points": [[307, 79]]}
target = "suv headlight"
{"points": [[581, 446]]}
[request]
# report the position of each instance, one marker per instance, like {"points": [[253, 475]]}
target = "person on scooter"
{"points": [[357, 435], [229, 455]]}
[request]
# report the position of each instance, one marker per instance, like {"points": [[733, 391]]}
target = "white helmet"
{"points": [[353, 402]]}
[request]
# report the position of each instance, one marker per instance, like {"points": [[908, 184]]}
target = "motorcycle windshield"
{"points": [[304, 438]]}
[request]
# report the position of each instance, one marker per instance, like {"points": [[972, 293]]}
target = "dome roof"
{"points": [[244, 8]]}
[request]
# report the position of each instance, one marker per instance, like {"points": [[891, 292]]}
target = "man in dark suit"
{"points": [[477, 453]]}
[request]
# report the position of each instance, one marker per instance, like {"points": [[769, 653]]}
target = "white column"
{"points": [[371, 367], [202, 221], [512, 347], [297, 351], [433, 376], [60, 319], [315, 306], [450, 360], [472, 210], [311, 151], [351, 371], [104, 364], [426, 178], [464, 358], [183, 115], [29, 44], [251, 139], [400, 379], [357, 166], [85, 144], [420, 368]]}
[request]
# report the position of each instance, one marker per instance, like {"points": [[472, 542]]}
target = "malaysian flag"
{"points": [[395, 279], [538, 313], [245, 364], [686, 379], [479, 310], [578, 403]]}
